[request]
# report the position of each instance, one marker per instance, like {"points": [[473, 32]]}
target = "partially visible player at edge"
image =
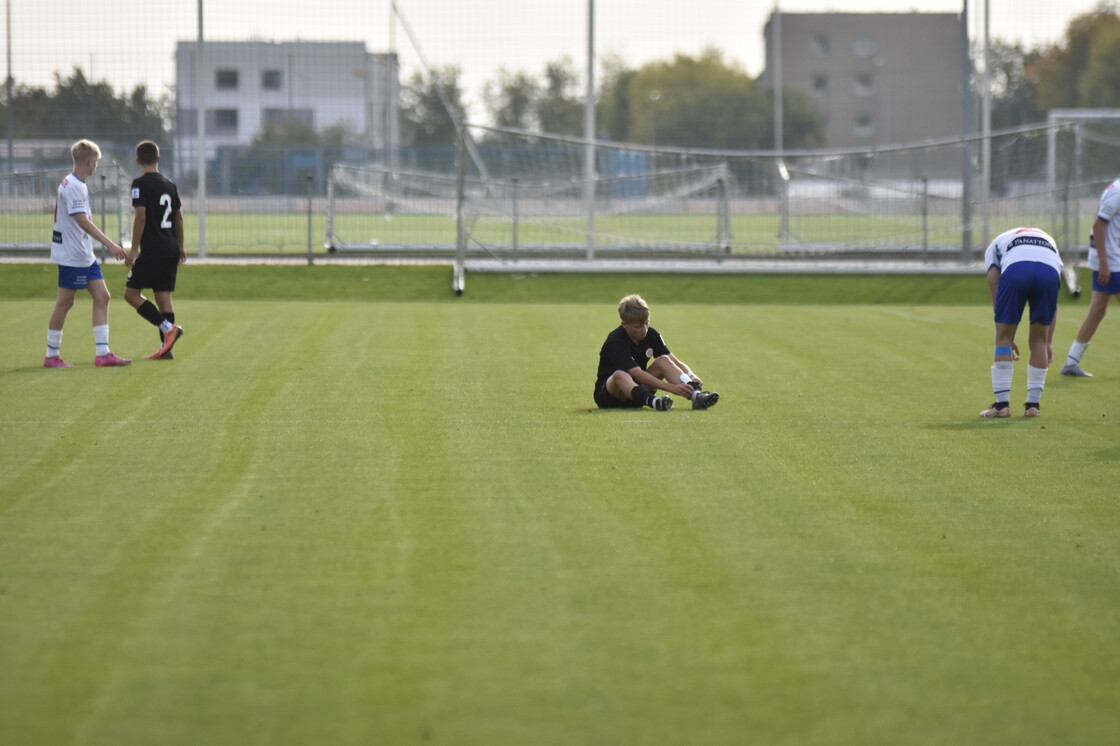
{"points": [[157, 236], [1023, 267], [623, 379], [1104, 260], [72, 251]]}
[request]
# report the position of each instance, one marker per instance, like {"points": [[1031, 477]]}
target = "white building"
{"points": [[248, 84]]}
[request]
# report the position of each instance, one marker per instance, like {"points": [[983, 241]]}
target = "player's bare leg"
{"points": [[1098, 306]]}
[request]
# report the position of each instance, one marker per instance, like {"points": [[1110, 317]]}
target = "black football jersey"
{"points": [[159, 197], [619, 353]]}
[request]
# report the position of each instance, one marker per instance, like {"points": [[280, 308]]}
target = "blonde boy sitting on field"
{"points": [[624, 380]]}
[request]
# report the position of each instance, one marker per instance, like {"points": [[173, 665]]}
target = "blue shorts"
{"points": [[1113, 286], [77, 278], [1027, 282]]}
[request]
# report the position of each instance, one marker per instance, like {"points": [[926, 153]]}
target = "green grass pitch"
{"points": [[287, 233], [357, 510]]}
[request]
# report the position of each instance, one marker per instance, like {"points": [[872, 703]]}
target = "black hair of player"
{"points": [[147, 153]]}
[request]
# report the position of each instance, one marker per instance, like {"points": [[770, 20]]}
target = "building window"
{"points": [[819, 46], [864, 84], [225, 80], [863, 48], [225, 120], [270, 80], [820, 84], [863, 126]]}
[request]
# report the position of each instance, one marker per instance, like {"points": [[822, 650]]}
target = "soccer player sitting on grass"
{"points": [[1023, 267], [623, 379]]}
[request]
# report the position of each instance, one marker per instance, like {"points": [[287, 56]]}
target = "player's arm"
{"points": [[1100, 242], [993, 281], [177, 222], [1050, 339], [137, 233], [87, 225]]}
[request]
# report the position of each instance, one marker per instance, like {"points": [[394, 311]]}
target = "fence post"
{"points": [[458, 274], [103, 257], [328, 241], [783, 203], [723, 212], [1077, 176], [925, 220], [516, 217], [310, 187]]}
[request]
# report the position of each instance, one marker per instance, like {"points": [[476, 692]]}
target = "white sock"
{"points": [[54, 342], [166, 326], [1036, 381], [1002, 372], [101, 339], [1076, 350]]}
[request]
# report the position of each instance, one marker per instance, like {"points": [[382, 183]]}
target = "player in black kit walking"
{"points": [[157, 248]]}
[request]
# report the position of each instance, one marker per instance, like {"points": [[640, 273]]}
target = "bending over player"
{"points": [[623, 378], [1023, 267]]}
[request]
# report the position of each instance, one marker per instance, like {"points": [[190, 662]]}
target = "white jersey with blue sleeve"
{"points": [[1022, 245], [71, 246], [1108, 211]]}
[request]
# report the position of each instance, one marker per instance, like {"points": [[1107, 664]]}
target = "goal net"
{"points": [[527, 196]]}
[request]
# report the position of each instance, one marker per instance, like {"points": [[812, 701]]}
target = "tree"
{"points": [[1014, 98], [1099, 86], [510, 100], [705, 102], [551, 104], [78, 108], [1077, 74], [426, 120], [559, 107], [613, 109]]}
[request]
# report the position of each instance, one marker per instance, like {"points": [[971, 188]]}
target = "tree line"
{"points": [[688, 101]]}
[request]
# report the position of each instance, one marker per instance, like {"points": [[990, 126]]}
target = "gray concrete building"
{"points": [[878, 78]]}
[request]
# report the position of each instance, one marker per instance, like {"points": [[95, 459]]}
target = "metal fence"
{"points": [[508, 197]]}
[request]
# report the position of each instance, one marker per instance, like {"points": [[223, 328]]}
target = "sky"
{"points": [[127, 42]]}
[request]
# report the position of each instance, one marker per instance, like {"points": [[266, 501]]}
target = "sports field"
{"points": [[358, 510]]}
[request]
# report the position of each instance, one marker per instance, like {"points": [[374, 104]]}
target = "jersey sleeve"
{"points": [[137, 198], [993, 256], [657, 344], [1110, 203], [77, 199]]}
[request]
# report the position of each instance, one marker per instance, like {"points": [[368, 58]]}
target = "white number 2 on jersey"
{"points": [[165, 200]]}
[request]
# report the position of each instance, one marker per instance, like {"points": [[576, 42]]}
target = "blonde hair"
{"points": [[83, 149], [633, 308]]}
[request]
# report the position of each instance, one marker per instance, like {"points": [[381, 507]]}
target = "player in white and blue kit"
{"points": [[72, 251], [1023, 268], [1104, 260]]}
